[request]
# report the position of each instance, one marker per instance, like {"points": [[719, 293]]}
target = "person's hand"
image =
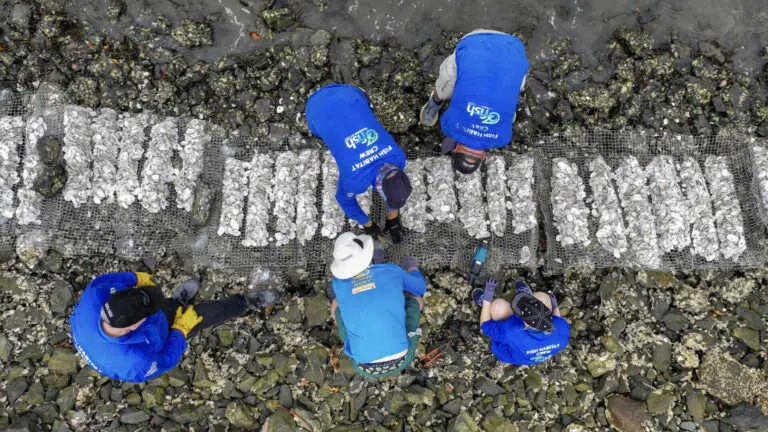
{"points": [[185, 322], [408, 263], [490, 289], [372, 230], [144, 279], [394, 229]]}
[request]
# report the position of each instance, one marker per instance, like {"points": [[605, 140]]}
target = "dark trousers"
{"points": [[214, 312]]}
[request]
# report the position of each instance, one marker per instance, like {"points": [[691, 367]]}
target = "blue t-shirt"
{"points": [[512, 343], [372, 305], [340, 115], [490, 69], [145, 353]]}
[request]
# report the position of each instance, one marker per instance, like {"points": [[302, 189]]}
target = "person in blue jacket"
{"points": [[365, 153], [376, 306], [483, 79], [125, 329], [527, 331]]}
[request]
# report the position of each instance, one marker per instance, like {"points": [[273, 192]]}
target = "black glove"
{"points": [[394, 229], [373, 230]]}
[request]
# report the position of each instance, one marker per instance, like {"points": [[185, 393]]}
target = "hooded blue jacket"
{"points": [[372, 305], [143, 354], [513, 343], [340, 115], [490, 69]]}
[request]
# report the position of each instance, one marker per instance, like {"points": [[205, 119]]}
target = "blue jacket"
{"points": [[340, 115], [512, 343], [490, 69], [372, 305], [145, 353]]}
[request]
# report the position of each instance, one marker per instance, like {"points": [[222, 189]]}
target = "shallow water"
{"points": [[740, 25]]}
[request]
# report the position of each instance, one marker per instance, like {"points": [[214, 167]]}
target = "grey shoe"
{"points": [[187, 291], [259, 300], [430, 112]]}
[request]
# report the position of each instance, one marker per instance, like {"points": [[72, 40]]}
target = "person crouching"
{"points": [[376, 306], [526, 331]]}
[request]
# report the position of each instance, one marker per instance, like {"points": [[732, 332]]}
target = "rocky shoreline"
{"points": [[672, 352]]}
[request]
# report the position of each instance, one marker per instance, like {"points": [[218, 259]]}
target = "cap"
{"points": [[535, 313], [397, 188], [129, 306]]}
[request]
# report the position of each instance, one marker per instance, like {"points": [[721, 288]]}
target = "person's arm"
{"points": [[350, 206], [413, 282], [485, 312], [147, 366]]}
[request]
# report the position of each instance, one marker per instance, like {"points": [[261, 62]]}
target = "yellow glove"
{"points": [[185, 322], [144, 279]]}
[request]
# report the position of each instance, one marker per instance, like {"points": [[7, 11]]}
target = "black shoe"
{"points": [[186, 291], [259, 300]]}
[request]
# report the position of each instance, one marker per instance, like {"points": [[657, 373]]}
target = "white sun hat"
{"points": [[351, 255]]}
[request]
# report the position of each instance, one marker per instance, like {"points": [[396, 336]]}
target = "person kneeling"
{"points": [[376, 306], [527, 331], [125, 329]]}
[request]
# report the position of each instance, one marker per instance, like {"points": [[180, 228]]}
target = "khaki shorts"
{"points": [[446, 78]]}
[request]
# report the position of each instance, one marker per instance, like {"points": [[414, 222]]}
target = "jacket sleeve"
{"points": [[120, 281], [147, 366], [493, 330], [350, 206], [414, 283]]}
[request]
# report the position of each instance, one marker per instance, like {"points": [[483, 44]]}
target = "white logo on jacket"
{"points": [[486, 114], [364, 136]]}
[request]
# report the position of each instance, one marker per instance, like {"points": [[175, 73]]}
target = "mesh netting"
{"points": [[711, 157], [182, 186]]}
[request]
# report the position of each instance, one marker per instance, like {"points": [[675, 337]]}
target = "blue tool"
{"points": [[478, 261]]}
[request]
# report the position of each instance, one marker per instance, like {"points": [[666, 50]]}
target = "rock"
{"points": [[488, 386], [711, 51], [675, 321], [696, 404], [133, 416], [601, 365], [225, 335], [662, 356], [762, 129], [6, 348], [15, 388], [21, 17], [176, 377], [240, 415], [201, 206], [63, 362], [286, 397], [50, 180], [749, 418], [115, 8], [625, 414], [750, 337], [316, 310], [280, 421], [320, 38], [437, 308], [610, 343], [61, 297], [192, 34], [464, 423], [498, 424], [659, 402], [718, 373], [689, 426], [49, 150], [279, 19], [640, 387]]}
